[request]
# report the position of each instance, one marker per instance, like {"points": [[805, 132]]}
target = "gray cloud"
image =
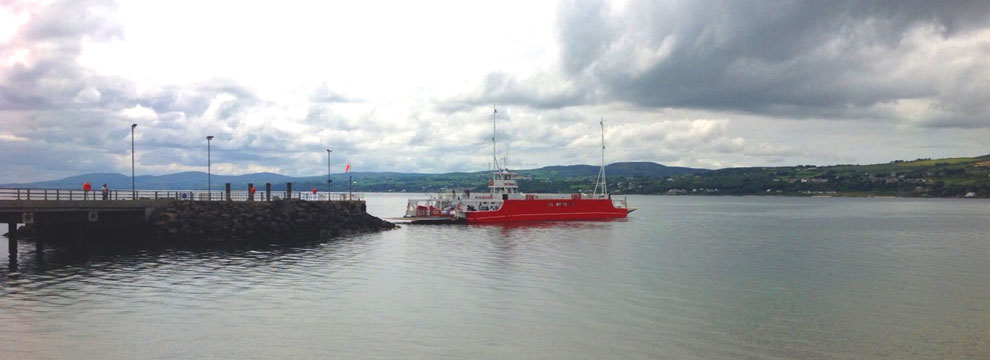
{"points": [[541, 92], [67, 20], [75, 120], [753, 55], [53, 40], [839, 60], [588, 33]]}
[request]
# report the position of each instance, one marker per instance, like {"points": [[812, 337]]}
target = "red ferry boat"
{"points": [[504, 202]]}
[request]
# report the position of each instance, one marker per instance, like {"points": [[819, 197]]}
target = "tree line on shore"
{"points": [[951, 177]]}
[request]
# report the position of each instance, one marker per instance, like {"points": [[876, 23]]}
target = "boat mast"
{"points": [[604, 184], [494, 153], [497, 167], [601, 172]]}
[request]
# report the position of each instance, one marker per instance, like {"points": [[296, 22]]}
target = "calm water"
{"points": [[682, 278]]}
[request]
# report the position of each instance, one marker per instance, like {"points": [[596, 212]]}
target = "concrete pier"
{"points": [[164, 217]]}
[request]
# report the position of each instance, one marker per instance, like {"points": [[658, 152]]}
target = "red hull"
{"points": [[548, 210]]}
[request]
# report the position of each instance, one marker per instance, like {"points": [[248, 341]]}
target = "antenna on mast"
{"points": [[494, 152], [601, 172], [505, 159]]}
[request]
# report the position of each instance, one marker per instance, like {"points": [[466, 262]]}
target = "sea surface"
{"points": [[681, 278]]}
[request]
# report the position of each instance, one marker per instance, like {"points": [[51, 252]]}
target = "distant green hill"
{"points": [[363, 181], [646, 169], [953, 177]]}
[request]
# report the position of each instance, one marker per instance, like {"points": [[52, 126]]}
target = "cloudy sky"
{"points": [[409, 85]]}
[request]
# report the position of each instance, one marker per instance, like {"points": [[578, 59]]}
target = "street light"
{"points": [[133, 193], [328, 173], [209, 177]]}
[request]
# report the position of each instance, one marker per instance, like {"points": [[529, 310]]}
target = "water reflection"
{"points": [[563, 225], [682, 278], [505, 238]]}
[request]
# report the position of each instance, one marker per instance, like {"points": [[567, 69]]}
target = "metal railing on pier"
{"points": [[190, 195]]}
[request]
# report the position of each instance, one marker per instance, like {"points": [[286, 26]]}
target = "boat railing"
{"points": [[572, 196], [485, 196], [620, 203]]}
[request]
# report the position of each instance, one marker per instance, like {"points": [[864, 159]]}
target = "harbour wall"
{"points": [[277, 219], [155, 223]]}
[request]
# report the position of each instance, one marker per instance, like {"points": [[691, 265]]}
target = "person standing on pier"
{"points": [[106, 192]]}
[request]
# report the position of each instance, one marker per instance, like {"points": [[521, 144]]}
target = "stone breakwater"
{"points": [[280, 219]]}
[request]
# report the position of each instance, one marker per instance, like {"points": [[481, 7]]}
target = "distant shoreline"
{"points": [[921, 178]]}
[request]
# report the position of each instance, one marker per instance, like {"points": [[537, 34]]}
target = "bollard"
{"points": [[226, 191], [288, 190], [12, 245], [268, 192]]}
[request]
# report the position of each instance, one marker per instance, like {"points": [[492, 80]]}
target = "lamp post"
{"points": [[209, 176], [133, 193], [328, 173]]}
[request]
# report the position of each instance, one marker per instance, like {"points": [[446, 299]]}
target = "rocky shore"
{"points": [[201, 223], [279, 219]]}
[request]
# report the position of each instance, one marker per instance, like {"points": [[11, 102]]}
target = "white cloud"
{"points": [[139, 113], [12, 138]]}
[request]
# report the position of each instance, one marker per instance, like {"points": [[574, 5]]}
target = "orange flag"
{"points": [[347, 168]]}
